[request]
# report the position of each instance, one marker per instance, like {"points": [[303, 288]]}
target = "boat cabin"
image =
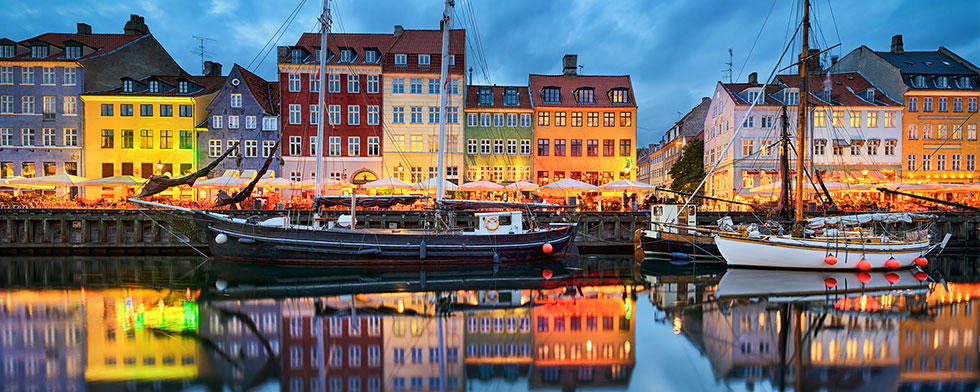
{"points": [[670, 214], [499, 222]]}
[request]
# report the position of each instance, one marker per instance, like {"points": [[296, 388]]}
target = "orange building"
{"points": [[583, 126], [942, 348]]}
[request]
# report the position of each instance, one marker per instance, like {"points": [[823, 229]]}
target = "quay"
{"points": [[142, 232]]}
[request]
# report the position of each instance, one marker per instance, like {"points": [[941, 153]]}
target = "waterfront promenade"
{"points": [[85, 231]]}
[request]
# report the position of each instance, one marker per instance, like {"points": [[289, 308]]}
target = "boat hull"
{"points": [[662, 245], [784, 252], [264, 244]]}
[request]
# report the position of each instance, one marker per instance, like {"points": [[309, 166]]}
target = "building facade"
{"points": [[498, 133], [584, 126], [353, 133], [245, 110], [146, 126], [40, 82], [673, 142], [940, 91], [411, 72]]}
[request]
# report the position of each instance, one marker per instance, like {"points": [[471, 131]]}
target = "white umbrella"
{"points": [[6, 182], [521, 186], [326, 183], [433, 183], [388, 183], [55, 180], [278, 182], [625, 184], [222, 182], [568, 184], [482, 185], [115, 181]]}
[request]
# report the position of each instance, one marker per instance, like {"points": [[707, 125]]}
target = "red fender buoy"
{"points": [[864, 264], [546, 274], [830, 259], [921, 261], [547, 248], [893, 278], [864, 277], [892, 263], [830, 282], [921, 276]]}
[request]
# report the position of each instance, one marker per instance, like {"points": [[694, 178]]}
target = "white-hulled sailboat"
{"points": [[841, 243]]}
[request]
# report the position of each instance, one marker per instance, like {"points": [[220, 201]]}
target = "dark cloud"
{"points": [[675, 50]]}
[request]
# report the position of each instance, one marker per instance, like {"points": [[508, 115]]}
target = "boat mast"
{"points": [[801, 112], [785, 197], [447, 24], [322, 58]]}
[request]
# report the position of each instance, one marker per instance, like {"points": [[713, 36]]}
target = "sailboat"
{"points": [[499, 236], [837, 243]]}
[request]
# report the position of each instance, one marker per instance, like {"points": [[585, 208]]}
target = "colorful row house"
{"points": [[41, 79], [146, 126], [498, 133], [584, 126], [244, 111]]}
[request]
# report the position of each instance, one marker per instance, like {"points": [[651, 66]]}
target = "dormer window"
{"points": [[918, 81], [73, 52], [792, 97], [752, 96], [127, 86], [485, 96], [316, 55], [371, 56], [585, 95], [942, 82], [182, 87], [7, 51], [39, 51], [510, 96], [346, 55], [551, 94], [965, 82], [401, 59], [452, 60], [870, 95], [296, 56], [425, 60], [154, 86], [619, 95]]}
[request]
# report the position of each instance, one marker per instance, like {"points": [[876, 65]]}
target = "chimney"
{"points": [[399, 30], [136, 26], [897, 46], [212, 68], [813, 62], [569, 65], [754, 79], [84, 28]]}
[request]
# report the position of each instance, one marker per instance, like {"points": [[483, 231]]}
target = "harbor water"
{"points": [[587, 323]]}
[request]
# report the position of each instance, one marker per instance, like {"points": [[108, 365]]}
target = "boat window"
{"points": [[504, 220]]}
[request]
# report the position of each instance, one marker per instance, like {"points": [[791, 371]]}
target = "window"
{"points": [[398, 115], [472, 119], [525, 147], [551, 94], [353, 114], [941, 162], [233, 122], [27, 104], [452, 115], [498, 120], [424, 60], [127, 138], [353, 146], [433, 86], [543, 148], [498, 147], [236, 100], [401, 59], [819, 118], [372, 114], [166, 139], [251, 148], [855, 149], [48, 137], [957, 133], [6, 74], [838, 118], [971, 131], [333, 83], [855, 119], [186, 111], [372, 83], [126, 110], [625, 147], [913, 105], [267, 146], [592, 148], [927, 131], [433, 115], [593, 119], [146, 139], [585, 95], [971, 164], [48, 108], [295, 146], [873, 147], [927, 104], [941, 131], [216, 122], [626, 119], [398, 86], [334, 145], [485, 148], [6, 104], [971, 105], [576, 119], [609, 147], [47, 75], [69, 105], [472, 146], [295, 114], [544, 118], [954, 164], [6, 139], [415, 85], [926, 162], [295, 83], [453, 87], [819, 147], [911, 163], [416, 112], [166, 110], [512, 147], [748, 147], [107, 138], [186, 140], [485, 96], [26, 75], [958, 104], [942, 103], [559, 147], [270, 123]]}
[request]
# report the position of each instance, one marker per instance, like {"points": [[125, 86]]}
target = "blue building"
{"points": [[246, 110], [40, 82]]}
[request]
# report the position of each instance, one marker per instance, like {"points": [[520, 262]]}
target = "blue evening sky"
{"points": [[674, 50]]}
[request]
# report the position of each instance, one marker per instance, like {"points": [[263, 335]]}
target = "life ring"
{"points": [[491, 295], [491, 223]]}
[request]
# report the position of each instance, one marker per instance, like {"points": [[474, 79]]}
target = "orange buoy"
{"points": [[892, 263], [864, 277], [830, 259], [546, 274], [893, 278], [921, 276], [864, 264], [921, 261], [547, 248], [830, 282]]}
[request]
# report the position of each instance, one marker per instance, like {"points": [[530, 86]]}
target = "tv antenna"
{"points": [[728, 71], [201, 51]]}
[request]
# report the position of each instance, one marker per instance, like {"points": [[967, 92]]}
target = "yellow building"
{"points": [[942, 348], [145, 127], [411, 71], [583, 126]]}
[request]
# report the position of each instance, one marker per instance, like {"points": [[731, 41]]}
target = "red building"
{"points": [[353, 133], [299, 352], [354, 347]]}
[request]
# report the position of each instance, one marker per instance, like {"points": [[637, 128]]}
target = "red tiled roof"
{"points": [[103, 43], [734, 89], [409, 42], [274, 96], [472, 98], [209, 84], [568, 85], [260, 89], [845, 88], [357, 41]]}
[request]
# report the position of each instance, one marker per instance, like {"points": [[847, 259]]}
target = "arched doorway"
{"points": [[363, 176]]}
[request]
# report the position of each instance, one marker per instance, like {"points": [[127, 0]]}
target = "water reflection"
{"points": [[78, 324]]}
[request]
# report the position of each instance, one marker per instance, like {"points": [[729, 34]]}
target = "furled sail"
{"points": [[160, 183]]}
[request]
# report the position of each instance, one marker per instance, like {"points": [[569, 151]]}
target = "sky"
{"points": [[675, 51]]}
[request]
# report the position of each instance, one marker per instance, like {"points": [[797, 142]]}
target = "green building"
{"points": [[498, 133]]}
